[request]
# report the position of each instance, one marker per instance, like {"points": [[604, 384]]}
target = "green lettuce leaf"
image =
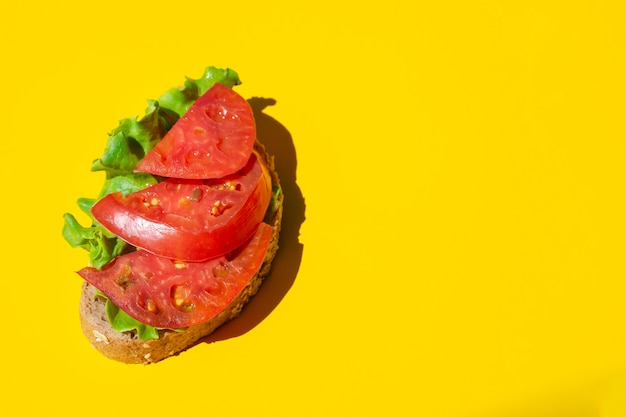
{"points": [[100, 243], [122, 322], [127, 183], [274, 202], [180, 99], [132, 139], [85, 205]]}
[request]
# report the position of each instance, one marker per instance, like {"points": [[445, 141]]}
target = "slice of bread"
{"points": [[128, 348]]}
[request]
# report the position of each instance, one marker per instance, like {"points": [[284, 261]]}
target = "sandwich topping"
{"points": [[190, 220], [165, 293], [214, 138], [177, 230]]}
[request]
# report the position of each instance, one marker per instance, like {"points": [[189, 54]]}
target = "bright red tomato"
{"points": [[171, 294], [214, 138], [190, 220]]}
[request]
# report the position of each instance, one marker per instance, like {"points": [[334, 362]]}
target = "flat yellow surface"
{"points": [[455, 178]]}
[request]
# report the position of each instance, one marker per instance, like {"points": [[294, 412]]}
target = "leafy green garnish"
{"points": [[180, 99], [132, 139], [122, 322], [274, 202], [100, 243], [127, 183]]}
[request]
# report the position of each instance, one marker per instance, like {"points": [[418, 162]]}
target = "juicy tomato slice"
{"points": [[171, 294], [214, 138], [190, 220]]}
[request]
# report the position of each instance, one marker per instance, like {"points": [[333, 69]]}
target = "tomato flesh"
{"points": [[170, 294], [190, 220], [214, 138]]}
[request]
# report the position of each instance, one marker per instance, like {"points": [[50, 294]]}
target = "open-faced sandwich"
{"points": [[185, 227]]}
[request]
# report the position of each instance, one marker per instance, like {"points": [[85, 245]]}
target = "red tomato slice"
{"points": [[171, 294], [213, 139], [190, 220]]}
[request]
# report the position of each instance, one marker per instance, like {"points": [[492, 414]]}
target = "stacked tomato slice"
{"points": [[199, 230]]}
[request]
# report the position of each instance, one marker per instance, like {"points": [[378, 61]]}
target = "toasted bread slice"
{"points": [[128, 348]]}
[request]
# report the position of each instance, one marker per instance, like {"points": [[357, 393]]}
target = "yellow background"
{"points": [[455, 175]]}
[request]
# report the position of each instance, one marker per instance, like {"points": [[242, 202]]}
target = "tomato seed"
{"points": [[218, 208], [195, 194], [151, 306], [123, 281], [220, 271]]}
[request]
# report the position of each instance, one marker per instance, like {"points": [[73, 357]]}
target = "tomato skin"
{"points": [[169, 294], [190, 220], [214, 138]]}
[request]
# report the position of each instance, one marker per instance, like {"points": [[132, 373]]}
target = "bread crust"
{"points": [[128, 348]]}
